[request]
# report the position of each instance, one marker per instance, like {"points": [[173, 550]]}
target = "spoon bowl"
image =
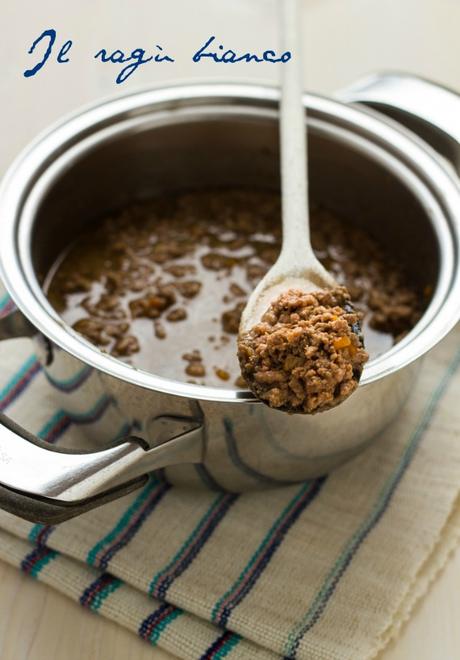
{"points": [[306, 354], [307, 275]]}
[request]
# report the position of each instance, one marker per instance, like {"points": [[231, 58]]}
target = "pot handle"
{"points": [[428, 109], [43, 483], [50, 484]]}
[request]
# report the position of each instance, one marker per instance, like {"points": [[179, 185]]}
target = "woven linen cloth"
{"points": [[329, 569]]}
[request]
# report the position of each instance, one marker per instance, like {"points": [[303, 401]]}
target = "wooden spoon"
{"points": [[284, 362], [297, 266]]}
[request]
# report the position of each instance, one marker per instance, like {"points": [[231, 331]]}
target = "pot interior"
{"points": [[196, 151], [156, 154]]}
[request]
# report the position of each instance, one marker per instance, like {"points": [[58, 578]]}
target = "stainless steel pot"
{"points": [[370, 168]]}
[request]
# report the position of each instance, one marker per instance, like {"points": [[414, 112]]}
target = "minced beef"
{"points": [[171, 272], [305, 355]]}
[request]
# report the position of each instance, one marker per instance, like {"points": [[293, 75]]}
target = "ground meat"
{"points": [[116, 330], [393, 312], [231, 319], [237, 291], [241, 383], [196, 369], [255, 272], [305, 355], [105, 308], [195, 365], [150, 306], [178, 314], [126, 346], [93, 330], [76, 283], [222, 374], [189, 289], [195, 257], [215, 261], [193, 356], [160, 332], [180, 271]]}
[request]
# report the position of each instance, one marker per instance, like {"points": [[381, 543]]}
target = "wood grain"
{"points": [[37, 623]]}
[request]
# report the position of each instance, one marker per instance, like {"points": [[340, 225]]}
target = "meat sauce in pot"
{"points": [[162, 284]]}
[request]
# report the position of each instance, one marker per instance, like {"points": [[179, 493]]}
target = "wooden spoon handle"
{"points": [[293, 136]]}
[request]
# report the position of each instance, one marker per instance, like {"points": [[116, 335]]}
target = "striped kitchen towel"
{"points": [[6, 304], [327, 569]]}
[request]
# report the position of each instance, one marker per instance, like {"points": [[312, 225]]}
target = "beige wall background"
{"points": [[342, 40]]}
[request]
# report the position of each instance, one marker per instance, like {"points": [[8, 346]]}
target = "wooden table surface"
{"points": [[37, 623]]}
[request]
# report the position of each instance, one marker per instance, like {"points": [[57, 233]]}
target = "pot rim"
{"points": [[31, 174]]}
